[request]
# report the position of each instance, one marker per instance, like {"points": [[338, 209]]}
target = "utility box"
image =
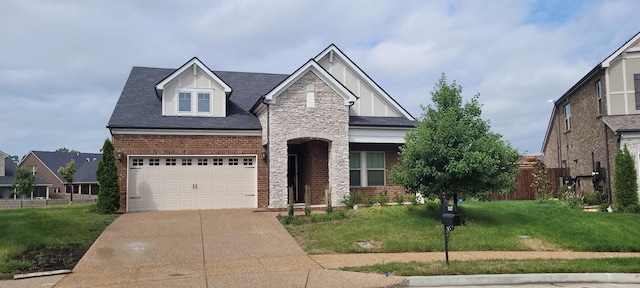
{"points": [[450, 219]]}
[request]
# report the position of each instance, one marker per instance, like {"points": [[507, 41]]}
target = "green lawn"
{"points": [[31, 239], [609, 265], [489, 226]]}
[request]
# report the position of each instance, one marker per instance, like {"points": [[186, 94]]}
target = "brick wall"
{"points": [[586, 136], [188, 145], [43, 173], [391, 159]]}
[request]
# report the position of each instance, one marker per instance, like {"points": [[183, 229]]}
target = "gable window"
{"points": [[184, 102], [366, 169], [567, 117], [204, 102], [599, 95], [195, 102]]}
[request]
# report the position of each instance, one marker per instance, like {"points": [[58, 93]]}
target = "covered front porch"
{"points": [[308, 171]]}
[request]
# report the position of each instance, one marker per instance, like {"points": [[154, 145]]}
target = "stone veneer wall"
{"points": [[328, 121], [188, 145]]}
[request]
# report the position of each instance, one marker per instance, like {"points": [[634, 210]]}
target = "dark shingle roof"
{"points": [[623, 123], [139, 106], [371, 121], [9, 172], [85, 169]]}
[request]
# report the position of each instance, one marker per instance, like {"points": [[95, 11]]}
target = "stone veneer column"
{"points": [[328, 120]]}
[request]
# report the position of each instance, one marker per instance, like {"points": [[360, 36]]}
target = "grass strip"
{"points": [[601, 265]]}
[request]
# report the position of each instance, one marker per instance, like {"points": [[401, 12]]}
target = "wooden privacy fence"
{"points": [[523, 190]]}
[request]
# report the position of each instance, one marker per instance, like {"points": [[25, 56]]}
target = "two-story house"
{"points": [[595, 118], [193, 138]]}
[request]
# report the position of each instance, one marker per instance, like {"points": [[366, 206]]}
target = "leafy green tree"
{"points": [[453, 150], [63, 149], [67, 174], [107, 175], [626, 181], [25, 181]]}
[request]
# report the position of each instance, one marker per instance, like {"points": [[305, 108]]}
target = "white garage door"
{"points": [[191, 182]]}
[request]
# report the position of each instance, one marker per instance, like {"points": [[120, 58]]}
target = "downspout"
{"points": [[606, 145]]}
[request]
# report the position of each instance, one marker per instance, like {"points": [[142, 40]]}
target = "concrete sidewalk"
{"points": [[208, 248]]}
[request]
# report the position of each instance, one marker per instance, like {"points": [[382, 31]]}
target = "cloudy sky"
{"points": [[64, 63]]}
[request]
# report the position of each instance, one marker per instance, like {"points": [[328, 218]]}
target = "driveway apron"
{"points": [[205, 248]]}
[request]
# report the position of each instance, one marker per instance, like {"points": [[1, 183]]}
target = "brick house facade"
{"points": [[178, 148], [593, 119]]}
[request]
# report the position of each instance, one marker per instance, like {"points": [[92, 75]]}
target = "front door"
{"points": [[292, 178]]}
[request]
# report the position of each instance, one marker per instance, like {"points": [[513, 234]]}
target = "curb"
{"points": [[511, 279]]}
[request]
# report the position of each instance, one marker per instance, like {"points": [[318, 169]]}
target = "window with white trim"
{"points": [[567, 117], [366, 169], [184, 102], [599, 95], [204, 102], [195, 102]]}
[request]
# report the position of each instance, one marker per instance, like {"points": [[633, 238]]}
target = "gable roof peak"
{"points": [[193, 62], [635, 39]]}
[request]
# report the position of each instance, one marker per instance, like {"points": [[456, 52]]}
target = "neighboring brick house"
{"points": [[192, 138], [595, 118], [45, 165]]}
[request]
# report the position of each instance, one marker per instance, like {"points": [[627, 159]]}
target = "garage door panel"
{"points": [[163, 183]]}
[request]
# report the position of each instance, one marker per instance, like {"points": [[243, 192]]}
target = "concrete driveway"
{"points": [[206, 248]]}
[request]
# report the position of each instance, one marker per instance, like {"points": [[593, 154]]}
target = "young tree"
{"points": [[107, 175], [453, 150], [626, 181], [67, 174], [25, 181], [541, 184]]}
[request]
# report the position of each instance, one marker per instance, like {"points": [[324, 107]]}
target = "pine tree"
{"points": [[626, 181], [107, 175]]}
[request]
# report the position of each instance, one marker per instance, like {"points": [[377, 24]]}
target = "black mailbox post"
{"points": [[450, 219]]}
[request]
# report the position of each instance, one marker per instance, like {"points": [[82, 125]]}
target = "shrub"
{"points": [[383, 197], [399, 198], [591, 198], [290, 210], [107, 175], [625, 185], [369, 201], [352, 199], [569, 197]]}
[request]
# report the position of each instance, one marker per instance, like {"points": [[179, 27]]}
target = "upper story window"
{"points": [[599, 95], [567, 117], [204, 102], [184, 102], [195, 102]]}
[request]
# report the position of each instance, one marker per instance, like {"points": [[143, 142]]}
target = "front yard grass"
{"points": [[38, 239], [608, 265], [489, 226]]}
